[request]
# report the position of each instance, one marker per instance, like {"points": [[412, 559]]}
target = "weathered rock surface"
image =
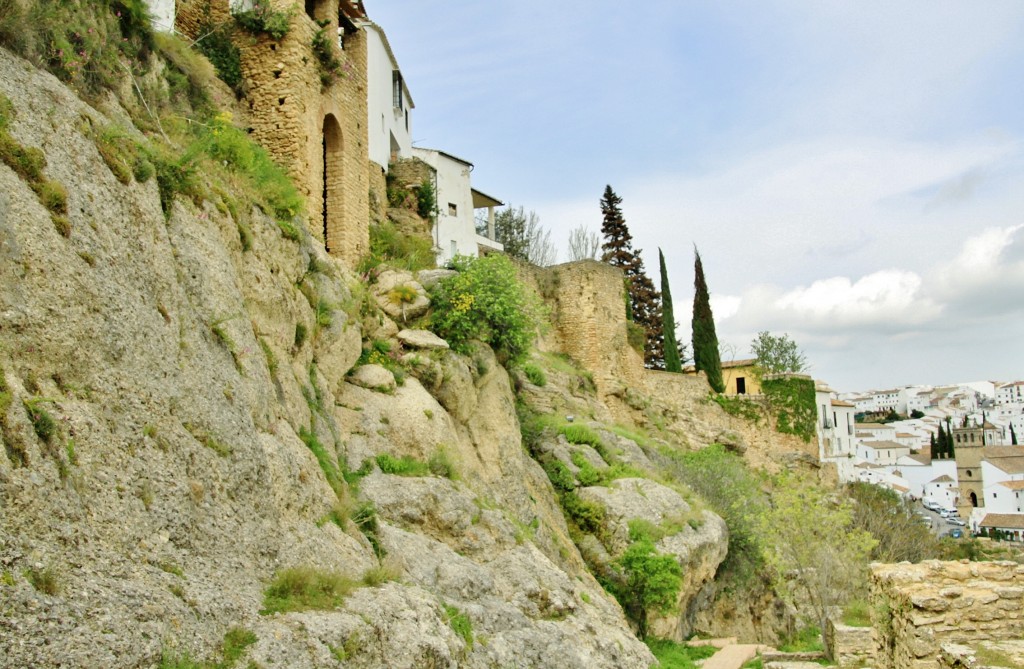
{"points": [[424, 339], [374, 377]]}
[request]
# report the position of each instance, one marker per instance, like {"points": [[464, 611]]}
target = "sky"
{"points": [[852, 173]]}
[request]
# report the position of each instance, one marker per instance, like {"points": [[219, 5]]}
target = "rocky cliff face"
{"points": [[199, 391]]}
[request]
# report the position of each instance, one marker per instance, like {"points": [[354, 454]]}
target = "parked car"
{"points": [[955, 521], [956, 533]]}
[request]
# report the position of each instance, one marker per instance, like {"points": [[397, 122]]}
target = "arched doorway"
{"points": [[974, 499], [332, 191]]}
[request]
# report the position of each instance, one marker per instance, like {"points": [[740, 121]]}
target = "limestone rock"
{"points": [[400, 296], [374, 377], [428, 278], [423, 339]]}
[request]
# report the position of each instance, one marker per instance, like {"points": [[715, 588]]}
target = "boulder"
{"points": [[373, 377], [421, 339]]}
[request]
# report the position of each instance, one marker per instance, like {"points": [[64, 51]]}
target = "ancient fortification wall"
{"points": [[317, 133], [588, 314], [920, 607]]}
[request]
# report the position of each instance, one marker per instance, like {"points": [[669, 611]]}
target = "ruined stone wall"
{"points": [[920, 607], [589, 322], [296, 118], [411, 171], [849, 646]]}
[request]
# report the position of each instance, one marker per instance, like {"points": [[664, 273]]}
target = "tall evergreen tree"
{"points": [[939, 450], [644, 307], [950, 450], [668, 321], [931, 444], [1013, 436], [705, 341]]}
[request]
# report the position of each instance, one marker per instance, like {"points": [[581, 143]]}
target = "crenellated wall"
{"points": [[920, 607]]}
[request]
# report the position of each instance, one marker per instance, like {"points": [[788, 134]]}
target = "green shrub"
{"points": [[792, 401], [672, 655], [328, 64], [806, 640], [42, 422], [222, 53], [587, 474], [650, 583], [403, 466], [738, 407], [304, 589], [426, 200], [236, 640], [44, 580], [535, 375], [300, 335], [365, 518], [560, 476], [460, 623], [441, 464], [580, 434], [327, 464], [589, 516], [486, 301], [857, 614], [264, 19], [391, 246]]}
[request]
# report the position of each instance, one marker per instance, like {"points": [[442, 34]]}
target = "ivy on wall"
{"points": [[792, 401]]}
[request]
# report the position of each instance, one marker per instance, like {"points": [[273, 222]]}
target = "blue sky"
{"points": [[852, 172]]}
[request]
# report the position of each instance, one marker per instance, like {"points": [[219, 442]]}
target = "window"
{"points": [[453, 210], [455, 249], [396, 89]]}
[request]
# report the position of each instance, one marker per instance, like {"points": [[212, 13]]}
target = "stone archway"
{"points": [[332, 192]]}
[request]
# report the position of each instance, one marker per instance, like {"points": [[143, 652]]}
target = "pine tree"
{"points": [[705, 341], [668, 321], [644, 306]]}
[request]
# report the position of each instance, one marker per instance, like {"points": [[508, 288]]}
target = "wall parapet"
{"points": [[920, 607]]}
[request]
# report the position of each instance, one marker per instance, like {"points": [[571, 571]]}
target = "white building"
{"points": [[388, 101], [919, 470], [837, 440], [942, 491], [881, 452], [886, 400], [1009, 393], [876, 431], [455, 227]]}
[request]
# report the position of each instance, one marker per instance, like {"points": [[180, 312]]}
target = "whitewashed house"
{"points": [[942, 491], [457, 201], [1009, 393], [837, 440], [881, 452], [388, 102]]}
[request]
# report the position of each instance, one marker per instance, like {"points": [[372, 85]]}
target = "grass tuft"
{"points": [[305, 589]]}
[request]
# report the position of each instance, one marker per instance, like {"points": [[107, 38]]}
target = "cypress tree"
{"points": [[1013, 436], [950, 451], [705, 341], [931, 443], [668, 321], [644, 305]]}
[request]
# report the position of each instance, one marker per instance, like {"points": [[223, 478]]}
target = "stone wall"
{"points": [[411, 172], [920, 607], [849, 646], [588, 316], [317, 133]]}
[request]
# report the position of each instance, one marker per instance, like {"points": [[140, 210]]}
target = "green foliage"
{"points": [[732, 491], [560, 476], [264, 19], [328, 464], [857, 613], [792, 401], [441, 464], [486, 301], [460, 623], [300, 335], [523, 237], [705, 340], [587, 474], [650, 584], [379, 353], [587, 515], [580, 434], [328, 64], [672, 655], [535, 375], [673, 361], [815, 552], [778, 354], [365, 518], [892, 522], [426, 200], [42, 422], [44, 580], [738, 407], [389, 245], [403, 466], [636, 336], [236, 640], [215, 43], [806, 640], [123, 155], [304, 589]]}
